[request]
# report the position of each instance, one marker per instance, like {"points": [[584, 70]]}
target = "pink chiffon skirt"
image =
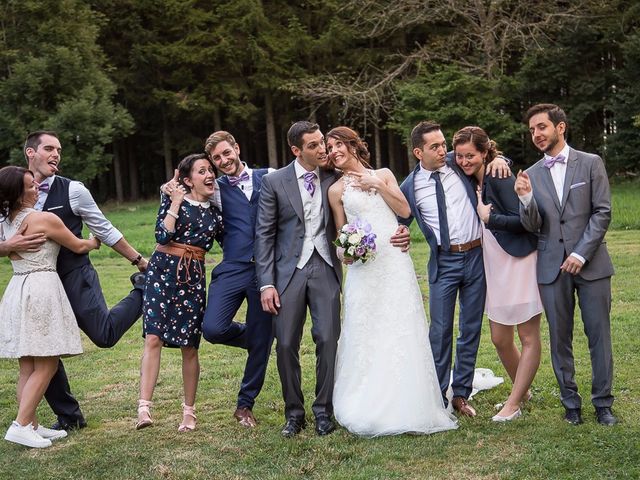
{"points": [[512, 287]]}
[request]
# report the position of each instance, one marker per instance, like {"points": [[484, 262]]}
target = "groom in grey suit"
{"points": [[297, 268], [565, 198]]}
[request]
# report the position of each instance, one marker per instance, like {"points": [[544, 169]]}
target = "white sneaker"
{"points": [[50, 433], [26, 436]]}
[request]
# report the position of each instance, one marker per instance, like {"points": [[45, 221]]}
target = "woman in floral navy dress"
{"points": [[174, 294]]}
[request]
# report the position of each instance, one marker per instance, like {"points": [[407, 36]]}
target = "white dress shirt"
{"points": [[84, 206], [464, 225]]}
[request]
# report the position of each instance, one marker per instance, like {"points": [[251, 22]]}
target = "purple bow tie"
{"points": [[551, 161], [309, 186], [235, 181], [44, 187]]}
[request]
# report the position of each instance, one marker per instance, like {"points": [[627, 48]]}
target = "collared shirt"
{"points": [[314, 232], [245, 185], [464, 225], [84, 206], [559, 171]]}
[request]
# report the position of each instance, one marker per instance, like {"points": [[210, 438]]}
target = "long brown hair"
{"points": [[353, 141], [11, 189]]}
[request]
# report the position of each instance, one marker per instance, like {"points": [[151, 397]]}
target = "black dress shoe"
{"points": [[573, 415], [137, 280], [293, 427], [324, 425], [605, 416], [73, 425]]}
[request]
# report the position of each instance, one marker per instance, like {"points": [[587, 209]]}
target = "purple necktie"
{"points": [[551, 161], [44, 187], [234, 181], [309, 186]]}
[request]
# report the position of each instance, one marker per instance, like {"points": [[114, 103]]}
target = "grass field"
{"points": [[538, 446]]}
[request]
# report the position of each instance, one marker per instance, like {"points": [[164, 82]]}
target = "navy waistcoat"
{"points": [[58, 204], [239, 218]]}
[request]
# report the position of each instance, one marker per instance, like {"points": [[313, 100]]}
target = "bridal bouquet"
{"points": [[357, 240]]}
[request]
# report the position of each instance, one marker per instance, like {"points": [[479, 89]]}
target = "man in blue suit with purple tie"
{"points": [[234, 279]]}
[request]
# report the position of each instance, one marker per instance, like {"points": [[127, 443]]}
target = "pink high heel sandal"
{"points": [[188, 411], [144, 414]]}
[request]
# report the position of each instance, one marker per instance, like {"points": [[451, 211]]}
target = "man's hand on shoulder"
{"points": [[23, 242]]}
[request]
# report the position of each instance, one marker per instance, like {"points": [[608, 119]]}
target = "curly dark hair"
{"points": [[353, 141], [11, 189]]}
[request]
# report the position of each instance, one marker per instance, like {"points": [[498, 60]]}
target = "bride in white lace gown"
{"points": [[386, 382]]}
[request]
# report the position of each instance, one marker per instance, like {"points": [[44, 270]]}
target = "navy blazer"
{"points": [[504, 220]]}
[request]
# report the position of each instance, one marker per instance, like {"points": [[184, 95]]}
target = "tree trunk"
{"points": [[217, 120], [134, 186], [166, 148], [117, 172], [272, 149], [377, 146], [394, 165]]}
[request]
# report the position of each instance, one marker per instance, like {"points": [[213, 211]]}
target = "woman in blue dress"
{"points": [[174, 294]]}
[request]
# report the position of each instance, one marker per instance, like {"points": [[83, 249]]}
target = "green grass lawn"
{"points": [[538, 446]]}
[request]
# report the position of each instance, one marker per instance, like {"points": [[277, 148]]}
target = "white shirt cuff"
{"points": [[579, 257], [526, 199], [262, 289]]}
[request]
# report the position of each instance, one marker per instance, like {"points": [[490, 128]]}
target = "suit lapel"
{"points": [[572, 163], [547, 182], [326, 180], [290, 186]]}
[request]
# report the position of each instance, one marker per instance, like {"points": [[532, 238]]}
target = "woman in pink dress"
{"points": [[509, 253]]}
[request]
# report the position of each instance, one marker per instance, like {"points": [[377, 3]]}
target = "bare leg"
{"points": [[150, 366], [34, 387], [26, 369], [190, 376], [503, 340], [529, 333], [149, 370]]}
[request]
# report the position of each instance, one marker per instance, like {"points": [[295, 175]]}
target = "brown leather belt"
{"points": [[463, 247], [187, 254]]}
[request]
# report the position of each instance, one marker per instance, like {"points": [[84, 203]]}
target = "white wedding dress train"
{"points": [[386, 382]]}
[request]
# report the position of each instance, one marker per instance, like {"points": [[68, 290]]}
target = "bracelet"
{"points": [[174, 215], [136, 260]]}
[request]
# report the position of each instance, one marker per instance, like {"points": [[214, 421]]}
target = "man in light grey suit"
{"points": [[565, 198], [297, 267]]}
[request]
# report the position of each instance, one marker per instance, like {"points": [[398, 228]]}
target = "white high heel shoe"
{"points": [[508, 418]]}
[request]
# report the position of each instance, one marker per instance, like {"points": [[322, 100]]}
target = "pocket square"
{"points": [[55, 208], [576, 185]]}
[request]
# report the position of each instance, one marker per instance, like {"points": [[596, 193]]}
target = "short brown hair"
{"points": [[418, 132], [555, 113], [298, 130], [217, 137], [33, 139]]}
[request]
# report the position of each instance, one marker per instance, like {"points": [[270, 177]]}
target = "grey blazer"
{"points": [[280, 227], [578, 225]]}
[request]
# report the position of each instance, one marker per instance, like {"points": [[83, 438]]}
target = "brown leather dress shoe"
{"points": [[245, 417], [461, 406]]}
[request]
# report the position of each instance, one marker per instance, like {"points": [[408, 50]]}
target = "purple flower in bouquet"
{"points": [[357, 240]]}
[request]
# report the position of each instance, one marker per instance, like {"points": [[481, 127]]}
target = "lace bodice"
{"points": [[42, 260], [371, 207]]}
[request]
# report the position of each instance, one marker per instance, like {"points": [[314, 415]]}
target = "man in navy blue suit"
{"points": [[443, 202], [234, 279]]}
